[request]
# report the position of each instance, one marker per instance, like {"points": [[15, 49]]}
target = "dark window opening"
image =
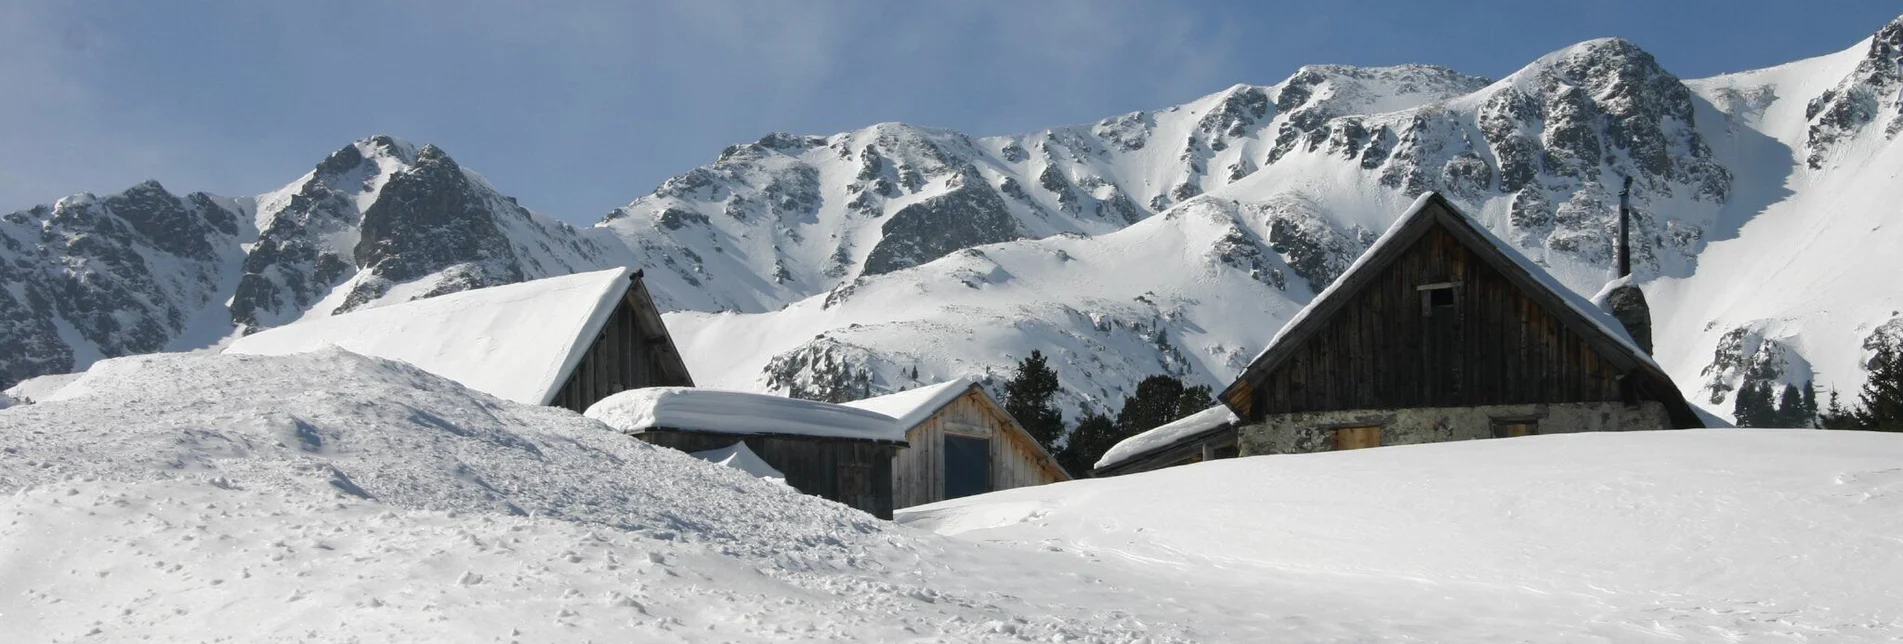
{"points": [[1444, 296], [1512, 428], [967, 465]]}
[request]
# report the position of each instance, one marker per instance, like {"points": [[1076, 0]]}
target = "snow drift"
{"points": [[200, 498]]}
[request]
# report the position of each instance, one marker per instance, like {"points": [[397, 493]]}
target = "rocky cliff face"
{"points": [[145, 270], [96, 276], [1871, 94]]}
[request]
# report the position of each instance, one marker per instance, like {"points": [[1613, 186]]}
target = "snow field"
{"points": [[1694, 535]]}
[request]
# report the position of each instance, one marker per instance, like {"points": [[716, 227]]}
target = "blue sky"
{"points": [[576, 108]]}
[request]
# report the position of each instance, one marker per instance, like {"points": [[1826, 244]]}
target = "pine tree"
{"points": [[1836, 416], [1030, 397], [1810, 403], [1158, 400], [1881, 402], [1753, 407], [1790, 408], [1095, 434]]}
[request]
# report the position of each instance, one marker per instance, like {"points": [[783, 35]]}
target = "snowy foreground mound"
{"points": [[333, 497], [1696, 535]]}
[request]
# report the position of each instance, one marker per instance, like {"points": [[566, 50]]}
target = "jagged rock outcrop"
{"points": [[145, 270], [1872, 93], [1750, 355], [105, 276]]}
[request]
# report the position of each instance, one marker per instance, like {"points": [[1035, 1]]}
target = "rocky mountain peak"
{"points": [[1873, 91]]}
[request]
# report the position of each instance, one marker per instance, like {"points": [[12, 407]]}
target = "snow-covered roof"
{"points": [[915, 406], [1166, 435], [740, 413], [1405, 230], [516, 341]]}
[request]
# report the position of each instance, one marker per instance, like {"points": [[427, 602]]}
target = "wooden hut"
{"points": [[1206, 435], [564, 341], [832, 451], [1441, 331], [961, 442]]}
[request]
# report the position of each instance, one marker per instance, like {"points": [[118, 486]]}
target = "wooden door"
{"points": [[1357, 437]]}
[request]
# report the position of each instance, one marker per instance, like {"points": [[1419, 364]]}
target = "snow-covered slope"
{"points": [[1807, 275], [1298, 175], [1673, 536]]}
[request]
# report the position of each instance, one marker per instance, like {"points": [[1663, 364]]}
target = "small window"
{"points": [[1357, 437], [1444, 296], [1512, 428]]}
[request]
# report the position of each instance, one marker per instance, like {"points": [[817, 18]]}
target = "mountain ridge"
{"points": [[800, 242]]}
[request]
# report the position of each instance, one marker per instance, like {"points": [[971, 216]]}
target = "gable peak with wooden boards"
{"points": [[1432, 219]]}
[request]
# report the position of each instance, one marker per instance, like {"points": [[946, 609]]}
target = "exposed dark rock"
{"points": [[969, 215]]}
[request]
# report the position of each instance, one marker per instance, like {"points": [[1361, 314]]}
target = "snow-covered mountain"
{"points": [[1266, 194], [145, 270], [1167, 241]]}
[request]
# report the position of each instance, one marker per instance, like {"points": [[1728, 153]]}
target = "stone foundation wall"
{"points": [[1315, 431]]}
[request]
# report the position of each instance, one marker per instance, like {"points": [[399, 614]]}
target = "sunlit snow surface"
{"points": [[199, 498], [1714, 535]]}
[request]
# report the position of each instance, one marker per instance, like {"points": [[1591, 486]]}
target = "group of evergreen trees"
{"points": [[1756, 407], [1030, 396], [1879, 406]]}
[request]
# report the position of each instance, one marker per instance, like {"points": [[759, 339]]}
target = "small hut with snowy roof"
{"points": [[564, 341], [1441, 331], [826, 450], [1206, 435], [961, 442]]}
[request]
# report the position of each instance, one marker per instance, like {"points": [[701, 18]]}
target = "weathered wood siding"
{"points": [[1382, 350], [624, 356], [856, 473], [919, 469]]}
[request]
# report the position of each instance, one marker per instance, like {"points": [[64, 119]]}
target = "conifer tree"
{"points": [[1880, 406], [1030, 397], [1095, 434], [1790, 408], [1836, 416], [1810, 403], [1754, 407]]}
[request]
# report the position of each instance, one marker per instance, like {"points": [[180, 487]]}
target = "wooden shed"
{"points": [[1206, 435], [826, 450], [961, 442], [564, 341], [1441, 331]]}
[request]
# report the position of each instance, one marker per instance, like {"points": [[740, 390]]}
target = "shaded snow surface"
{"points": [[738, 456], [1710, 535]]}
